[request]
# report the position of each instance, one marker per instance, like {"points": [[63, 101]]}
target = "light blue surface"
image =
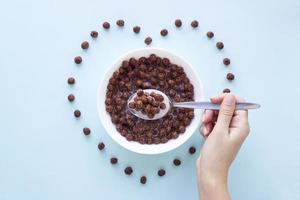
{"points": [[43, 153]]}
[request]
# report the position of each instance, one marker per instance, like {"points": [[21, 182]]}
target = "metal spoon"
{"points": [[195, 105]]}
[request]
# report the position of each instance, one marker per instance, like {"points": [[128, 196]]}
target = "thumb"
{"points": [[226, 111]]}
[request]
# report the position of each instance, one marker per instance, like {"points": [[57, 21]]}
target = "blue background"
{"points": [[43, 153]]}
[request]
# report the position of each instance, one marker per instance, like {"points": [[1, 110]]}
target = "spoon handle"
{"points": [[212, 106]]}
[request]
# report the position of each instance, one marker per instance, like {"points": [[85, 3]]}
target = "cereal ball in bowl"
{"points": [[142, 69]]}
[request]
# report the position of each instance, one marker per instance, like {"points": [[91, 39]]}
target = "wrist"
{"points": [[214, 189], [211, 178], [212, 185]]}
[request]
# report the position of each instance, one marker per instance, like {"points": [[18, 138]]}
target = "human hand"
{"points": [[224, 132]]}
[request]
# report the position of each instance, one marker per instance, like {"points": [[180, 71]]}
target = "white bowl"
{"points": [[146, 148]]}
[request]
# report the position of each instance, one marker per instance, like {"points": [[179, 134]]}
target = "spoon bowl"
{"points": [[159, 115]]}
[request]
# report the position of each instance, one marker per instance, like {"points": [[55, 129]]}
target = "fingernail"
{"points": [[205, 131], [212, 98], [229, 100], [203, 117]]}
